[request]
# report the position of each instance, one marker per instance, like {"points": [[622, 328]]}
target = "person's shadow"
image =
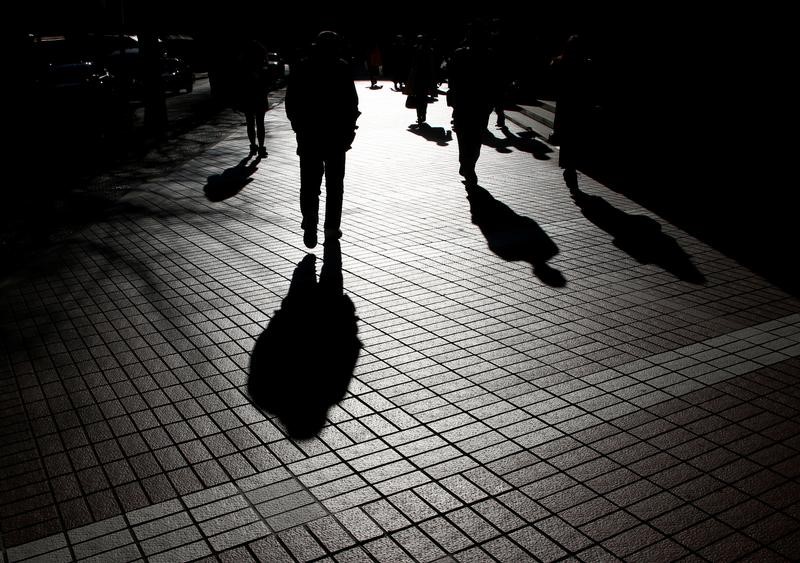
{"points": [[514, 237], [523, 142], [222, 186], [639, 236], [438, 135], [302, 363]]}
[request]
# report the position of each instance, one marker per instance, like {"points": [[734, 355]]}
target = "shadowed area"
{"points": [[302, 363], [514, 237], [639, 236]]}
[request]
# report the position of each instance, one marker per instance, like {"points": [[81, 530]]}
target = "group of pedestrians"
{"points": [[324, 118]]}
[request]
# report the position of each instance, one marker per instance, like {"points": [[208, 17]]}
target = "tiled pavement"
{"points": [[634, 396]]}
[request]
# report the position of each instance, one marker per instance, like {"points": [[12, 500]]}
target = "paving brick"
{"points": [[296, 516], [417, 544], [238, 536], [359, 524], [268, 549], [228, 521], [102, 544], [219, 508], [170, 539], [472, 524], [503, 549], [386, 516], [353, 555], [331, 534], [301, 544], [40, 548], [350, 499], [162, 525]]}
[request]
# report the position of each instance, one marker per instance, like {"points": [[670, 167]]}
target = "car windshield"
{"points": [[70, 72], [169, 64]]}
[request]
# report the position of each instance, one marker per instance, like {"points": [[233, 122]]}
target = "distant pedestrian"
{"points": [[253, 88], [572, 69], [397, 62], [322, 106], [471, 95], [374, 65], [500, 54], [421, 78]]}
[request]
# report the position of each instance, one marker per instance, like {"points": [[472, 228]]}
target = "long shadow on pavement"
{"points": [[438, 135], [514, 237], [303, 362], [639, 236], [524, 142], [222, 186]]}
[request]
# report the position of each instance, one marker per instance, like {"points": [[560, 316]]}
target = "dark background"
{"points": [[697, 118]]}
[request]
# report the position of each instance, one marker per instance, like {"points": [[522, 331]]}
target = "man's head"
{"points": [[477, 34], [327, 45]]}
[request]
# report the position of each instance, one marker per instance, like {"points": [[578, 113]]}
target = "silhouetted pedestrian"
{"points": [[470, 94], [421, 78], [322, 106], [253, 88], [398, 62], [573, 106], [374, 64], [502, 69]]}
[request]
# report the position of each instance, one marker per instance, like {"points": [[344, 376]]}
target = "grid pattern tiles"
{"points": [[544, 375]]}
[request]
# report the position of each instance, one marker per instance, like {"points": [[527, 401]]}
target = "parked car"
{"points": [[75, 76], [176, 75], [128, 67], [186, 48], [278, 68], [80, 103]]}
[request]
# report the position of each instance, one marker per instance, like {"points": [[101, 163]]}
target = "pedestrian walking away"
{"points": [[322, 106], [470, 94], [572, 69], [421, 82], [253, 87]]}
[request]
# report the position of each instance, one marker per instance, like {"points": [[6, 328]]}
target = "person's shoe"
{"points": [[469, 175], [262, 152], [253, 149], [310, 238], [333, 234], [571, 178]]}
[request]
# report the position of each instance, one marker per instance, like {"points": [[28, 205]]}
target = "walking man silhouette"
{"points": [[322, 106], [471, 84]]}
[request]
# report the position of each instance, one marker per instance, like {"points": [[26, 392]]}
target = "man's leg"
{"points": [[334, 193], [311, 168], [499, 109], [469, 146], [261, 133], [250, 119], [473, 128], [422, 109]]}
